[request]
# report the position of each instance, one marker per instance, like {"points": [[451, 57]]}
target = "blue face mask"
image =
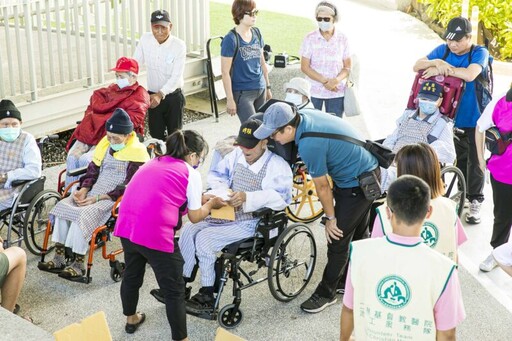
{"points": [[427, 107], [118, 146], [9, 134], [122, 82]]}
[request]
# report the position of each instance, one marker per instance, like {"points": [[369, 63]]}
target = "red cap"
{"points": [[126, 65]]}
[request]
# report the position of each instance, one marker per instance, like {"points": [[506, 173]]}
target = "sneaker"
{"points": [[488, 264], [466, 203], [473, 216], [340, 291], [316, 303]]}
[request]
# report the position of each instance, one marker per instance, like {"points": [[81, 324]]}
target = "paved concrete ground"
{"points": [[387, 43]]}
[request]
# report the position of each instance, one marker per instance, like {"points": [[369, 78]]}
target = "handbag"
{"points": [[351, 101], [497, 142], [383, 154]]}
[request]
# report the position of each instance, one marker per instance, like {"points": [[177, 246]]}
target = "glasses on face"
{"points": [[325, 19], [252, 13], [200, 158]]}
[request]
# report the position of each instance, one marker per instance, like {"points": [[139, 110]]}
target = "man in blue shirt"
{"points": [[453, 59], [345, 206]]}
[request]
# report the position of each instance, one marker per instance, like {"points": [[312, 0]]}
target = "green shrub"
{"points": [[495, 14]]}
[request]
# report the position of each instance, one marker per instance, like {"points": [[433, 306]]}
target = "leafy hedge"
{"points": [[496, 15]]}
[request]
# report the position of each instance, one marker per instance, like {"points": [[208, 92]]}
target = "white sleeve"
{"points": [[485, 121], [194, 189], [138, 55], [221, 173], [31, 163]]}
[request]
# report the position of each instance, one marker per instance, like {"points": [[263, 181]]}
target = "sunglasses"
{"points": [[252, 13], [323, 19]]}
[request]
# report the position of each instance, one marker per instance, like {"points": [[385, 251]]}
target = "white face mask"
{"points": [[325, 26], [122, 82], [293, 98]]}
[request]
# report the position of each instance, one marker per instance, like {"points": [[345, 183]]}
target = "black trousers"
{"points": [[167, 117], [352, 211], [168, 269], [502, 196], [467, 162]]}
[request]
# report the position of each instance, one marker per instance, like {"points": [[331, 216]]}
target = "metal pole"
{"points": [[30, 50], [87, 35]]}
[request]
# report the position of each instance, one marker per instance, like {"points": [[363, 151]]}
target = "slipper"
{"points": [[131, 328], [71, 273], [50, 267]]}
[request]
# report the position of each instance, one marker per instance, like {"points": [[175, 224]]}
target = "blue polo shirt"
{"points": [[343, 161], [468, 112]]}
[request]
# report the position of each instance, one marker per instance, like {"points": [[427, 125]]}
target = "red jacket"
{"points": [[134, 99]]}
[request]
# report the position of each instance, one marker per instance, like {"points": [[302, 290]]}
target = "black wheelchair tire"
{"points": [[117, 271], [35, 224], [281, 266], [456, 186], [230, 317]]}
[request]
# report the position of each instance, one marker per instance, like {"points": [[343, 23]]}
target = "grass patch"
{"points": [[284, 33]]}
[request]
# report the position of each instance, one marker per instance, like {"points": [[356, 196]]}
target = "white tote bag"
{"points": [[351, 102]]}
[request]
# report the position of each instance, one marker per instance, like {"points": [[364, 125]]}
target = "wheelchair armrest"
{"points": [[17, 183], [77, 171], [261, 212]]}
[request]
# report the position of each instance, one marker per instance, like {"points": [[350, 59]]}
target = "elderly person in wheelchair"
{"points": [[425, 124], [20, 158], [116, 159], [255, 178]]}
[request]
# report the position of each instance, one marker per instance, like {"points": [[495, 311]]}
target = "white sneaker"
{"points": [[488, 264], [473, 216], [466, 203]]}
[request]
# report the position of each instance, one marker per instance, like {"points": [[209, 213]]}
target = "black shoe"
{"points": [[201, 301], [132, 328], [317, 303], [160, 298]]}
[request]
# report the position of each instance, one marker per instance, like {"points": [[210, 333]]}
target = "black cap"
{"points": [[9, 110], [245, 136], [119, 123], [160, 17], [457, 28]]}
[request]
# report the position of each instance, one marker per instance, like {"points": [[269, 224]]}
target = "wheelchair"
{"points": [[26, 220], [286, 256], [99, 239]]}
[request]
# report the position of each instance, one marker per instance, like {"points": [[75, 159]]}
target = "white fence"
{"points": [[49, 46]]}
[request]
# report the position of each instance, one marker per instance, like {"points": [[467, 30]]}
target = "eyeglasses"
{"points": [[252, 13], [323, 19]]}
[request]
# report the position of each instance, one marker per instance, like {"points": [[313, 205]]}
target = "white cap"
{"points": [[299, 84]]}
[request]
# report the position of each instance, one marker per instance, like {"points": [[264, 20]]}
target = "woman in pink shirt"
{"points": [[326, 60], [166, 188]]}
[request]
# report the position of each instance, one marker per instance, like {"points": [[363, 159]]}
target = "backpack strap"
{"points": [[237, 46], [446, 52], [334, 136]]}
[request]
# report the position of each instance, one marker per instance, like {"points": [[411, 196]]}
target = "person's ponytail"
{"points": [[184, 142]]}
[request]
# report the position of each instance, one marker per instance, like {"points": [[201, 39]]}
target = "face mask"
{"points": [[118, 146], [122, 82], [9, 134], [325, 26], [427, 107], [293, 98]]}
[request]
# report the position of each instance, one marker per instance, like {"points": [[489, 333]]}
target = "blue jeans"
{"points": [[332, 105]]}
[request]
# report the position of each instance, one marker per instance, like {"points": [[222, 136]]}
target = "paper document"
{"points": [[227, 212]]}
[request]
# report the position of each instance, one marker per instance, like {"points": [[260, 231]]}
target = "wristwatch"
{"points": [[330, 217], [269, 87], [3, 177]]}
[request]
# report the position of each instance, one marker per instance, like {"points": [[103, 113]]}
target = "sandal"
{"points": [[51, 267], [71, 273], [16, 309]]}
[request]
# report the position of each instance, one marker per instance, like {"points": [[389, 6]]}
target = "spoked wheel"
{"points": [[455, 186], [230, 316], [292, 262], [305, 206], [36, 220], [117, 271]]}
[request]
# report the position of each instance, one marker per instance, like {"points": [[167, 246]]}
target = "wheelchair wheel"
{"points": [[117, 271], [229, 316], [36, 219], [455, 186], [305, 206], [292, 262]]}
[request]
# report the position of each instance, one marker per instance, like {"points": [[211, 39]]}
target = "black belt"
{"points": [[172, 93]]}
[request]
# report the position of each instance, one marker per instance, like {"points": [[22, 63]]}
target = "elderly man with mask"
{"points": [[125, 93], [424, 124], [20, 158], [256, 178], [298, 92]]}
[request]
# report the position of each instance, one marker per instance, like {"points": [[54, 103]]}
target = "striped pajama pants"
{"points": [[205, 239]]}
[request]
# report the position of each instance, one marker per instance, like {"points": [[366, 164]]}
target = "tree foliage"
{"points": [[495, 14]]}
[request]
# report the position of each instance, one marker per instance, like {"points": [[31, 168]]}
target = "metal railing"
{"points": [[49, 46]]}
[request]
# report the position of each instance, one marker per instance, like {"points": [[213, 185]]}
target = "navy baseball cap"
{"points": [[246, 136], [431, 91], [276, 116]]}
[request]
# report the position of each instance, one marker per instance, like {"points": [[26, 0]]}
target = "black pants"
{"points": [[168, 269], [167, 117], [352, 211], [467, 162], [502, 196]]}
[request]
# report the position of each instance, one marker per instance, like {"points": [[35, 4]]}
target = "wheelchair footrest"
{"points": [[207, 314]]}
